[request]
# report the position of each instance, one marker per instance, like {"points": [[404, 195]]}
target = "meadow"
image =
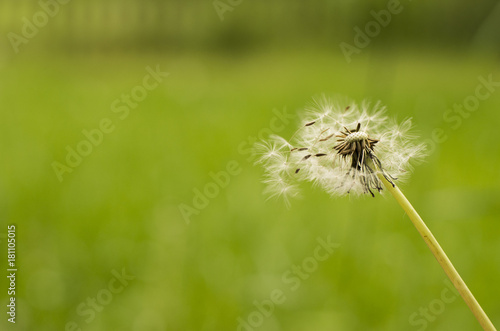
{"points": [[107, 245]]}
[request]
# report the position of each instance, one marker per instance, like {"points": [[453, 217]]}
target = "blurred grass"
{"points": [[119, 208]]}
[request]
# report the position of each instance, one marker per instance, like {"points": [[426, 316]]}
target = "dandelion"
{"points": [[350, 148], [342, 149]]}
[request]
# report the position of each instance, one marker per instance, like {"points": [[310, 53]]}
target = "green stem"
{"points": [[440, 255]]}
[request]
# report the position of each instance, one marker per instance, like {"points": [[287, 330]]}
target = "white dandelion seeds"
{"points": [[355, 148], [341, 148]]}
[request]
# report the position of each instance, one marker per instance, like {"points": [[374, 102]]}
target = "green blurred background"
{"points": [[233, 65]]}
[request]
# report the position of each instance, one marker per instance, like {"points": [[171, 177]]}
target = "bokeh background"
{"points": [[233, 65]]}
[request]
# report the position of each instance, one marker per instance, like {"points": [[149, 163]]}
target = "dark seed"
{"points": [[325, 139], [297, 171], [310, 123], [320, 154], [306, 157], [303, 149]]}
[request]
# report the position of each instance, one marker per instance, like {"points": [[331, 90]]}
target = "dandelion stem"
{"points": [[440, 255]]}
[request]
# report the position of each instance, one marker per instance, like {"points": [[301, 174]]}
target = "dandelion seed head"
{"points": [[341, 146], [356, 136]]}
